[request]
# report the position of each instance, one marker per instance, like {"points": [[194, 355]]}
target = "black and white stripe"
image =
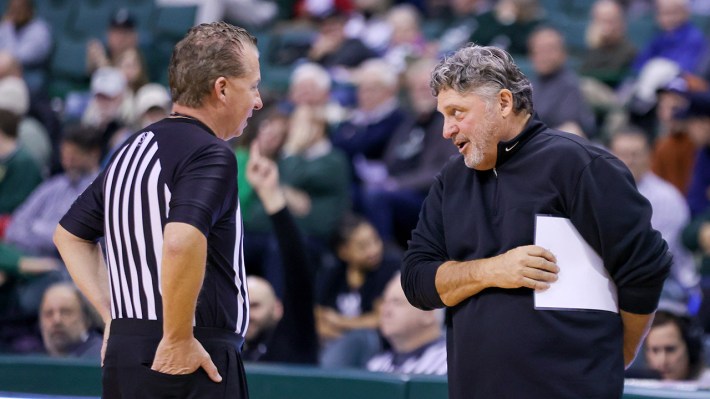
{"points": [[133, 224]]}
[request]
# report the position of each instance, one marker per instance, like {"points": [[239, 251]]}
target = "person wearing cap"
{"points": [[172, 286], [673, 151], [108, 110], [152, 103], [28, 38], [120, 36]]}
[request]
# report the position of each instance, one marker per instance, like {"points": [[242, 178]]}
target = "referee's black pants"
{"points": [[129, 355]]}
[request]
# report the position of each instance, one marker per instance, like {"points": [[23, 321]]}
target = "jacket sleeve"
{"points": [[426, 252], [298, 322], [615, 219]]}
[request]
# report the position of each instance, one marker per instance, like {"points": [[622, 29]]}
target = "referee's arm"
{"points": [[182, 273], [85, 263]]}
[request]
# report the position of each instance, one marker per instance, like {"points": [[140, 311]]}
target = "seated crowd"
{"points": [[347, 155]]}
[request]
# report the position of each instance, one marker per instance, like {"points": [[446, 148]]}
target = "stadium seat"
{"points": [[91, 18], [173, 22], [56, 12], [68, 65]]}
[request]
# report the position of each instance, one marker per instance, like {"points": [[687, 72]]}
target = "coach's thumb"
{"points": [[211, 370]]}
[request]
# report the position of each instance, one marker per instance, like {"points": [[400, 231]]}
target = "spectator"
{"points": [[31, 134], [557, 96], [674, 151], [21, 174], [679, 47], [415, 154], [415, 336], [27, 38], [368, 22], [332, 48], [29, 233], [508, 25], [315, 179], [463, 24], [670, 215], [66, 324], [609, 52], [33, 223], [697, 114], [120, 36], [108, 111], [407, 40], [40, 106], [606, 64], [365, 135], [311, 85], [696, 237], [132, 65], [280, 331], [350, 294], [679, 40], [152, 103], [271, 128], [674, 348]]}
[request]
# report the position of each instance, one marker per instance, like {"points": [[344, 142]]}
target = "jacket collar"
{"points": [[507, 149]]}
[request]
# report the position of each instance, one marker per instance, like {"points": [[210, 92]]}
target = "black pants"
{"points": [[129, 356]]}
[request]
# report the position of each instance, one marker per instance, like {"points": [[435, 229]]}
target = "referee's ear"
{"points": [[219, 89]]}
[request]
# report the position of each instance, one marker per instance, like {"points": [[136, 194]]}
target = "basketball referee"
{"points": [[172, 289]]}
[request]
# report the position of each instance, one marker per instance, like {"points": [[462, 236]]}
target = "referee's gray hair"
{"points": [[483, 70]]}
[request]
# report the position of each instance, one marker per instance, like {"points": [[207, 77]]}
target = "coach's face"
{"points": [[473, 125]]}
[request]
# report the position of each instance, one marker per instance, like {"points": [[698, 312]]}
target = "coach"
{"points": [[471, 250], [173, 289]]}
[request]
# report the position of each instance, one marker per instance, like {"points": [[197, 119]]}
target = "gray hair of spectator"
{"points": [[207, 52], [9, 121], [313, 72], [484, 71], [379, 70]]}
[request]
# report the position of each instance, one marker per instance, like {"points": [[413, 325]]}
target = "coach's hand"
{"points": [[529, 266], [184, 357]]}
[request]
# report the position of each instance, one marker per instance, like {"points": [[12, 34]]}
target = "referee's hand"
{"points": [[184, 357]]}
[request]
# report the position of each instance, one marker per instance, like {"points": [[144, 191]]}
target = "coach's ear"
{"points": [[505, 102]]}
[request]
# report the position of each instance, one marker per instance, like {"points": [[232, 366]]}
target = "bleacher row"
{"points": [[75, 22]]}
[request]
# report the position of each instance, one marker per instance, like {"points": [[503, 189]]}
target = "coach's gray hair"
{"points": [[483, 70]]}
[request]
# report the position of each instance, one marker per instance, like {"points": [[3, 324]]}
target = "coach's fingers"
{"points": [[211, 369], [535, 284], [536, 250]]}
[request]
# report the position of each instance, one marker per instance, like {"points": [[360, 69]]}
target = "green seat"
{"points": [[91, 18], [56, 12], [67, 69], [174, 22]]}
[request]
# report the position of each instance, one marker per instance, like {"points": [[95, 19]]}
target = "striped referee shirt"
{"points": [[175, 170], [429, 359]]}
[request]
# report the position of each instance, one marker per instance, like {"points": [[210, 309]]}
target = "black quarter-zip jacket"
{"points": [[499, 346]]}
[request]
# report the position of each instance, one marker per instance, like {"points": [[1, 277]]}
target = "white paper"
{"points": [[583, 282]]}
